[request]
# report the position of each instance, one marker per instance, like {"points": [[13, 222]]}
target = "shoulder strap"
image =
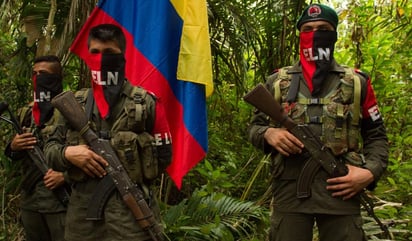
{"points": [[139, 97], [293, 89], [357, 99], [88, 108], [24, 115], [85, 97], [81, 95], [357, 88], [282, 74]]}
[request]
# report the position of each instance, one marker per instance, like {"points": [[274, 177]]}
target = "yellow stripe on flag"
{"points": [[195, 60]]}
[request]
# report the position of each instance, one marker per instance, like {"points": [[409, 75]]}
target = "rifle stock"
{"points": [[132, 195], [35, 154], [261, 98], [321, 156]]}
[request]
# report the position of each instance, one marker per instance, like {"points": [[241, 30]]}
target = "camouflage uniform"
{"points": [[328, 212], [42, 214], [118, 223]]}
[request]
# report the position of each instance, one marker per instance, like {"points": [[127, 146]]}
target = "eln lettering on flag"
{"points": [[168, 53]]}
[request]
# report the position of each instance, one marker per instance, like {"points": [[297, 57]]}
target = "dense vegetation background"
{"points": [[226, 196]]}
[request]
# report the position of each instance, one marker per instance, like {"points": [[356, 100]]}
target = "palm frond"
{"points": [[213, 217]]}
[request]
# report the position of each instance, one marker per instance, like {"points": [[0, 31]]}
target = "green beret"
{"points": [[315, 12]]}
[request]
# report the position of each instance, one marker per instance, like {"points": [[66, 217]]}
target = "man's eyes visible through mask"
{"points": [[325, 28], [104, 51], [40, 72], [317, 25]]}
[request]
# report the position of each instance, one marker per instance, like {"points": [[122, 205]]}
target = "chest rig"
{"points": [[128, 129], [25, 119], [335, 116]]}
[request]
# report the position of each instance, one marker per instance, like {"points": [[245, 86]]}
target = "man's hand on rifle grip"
{"points": [[283, 141], [86, 159], [354, 182], [24, 141]]}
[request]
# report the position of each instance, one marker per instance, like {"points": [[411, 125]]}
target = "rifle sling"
{"points": [[88, 108], [293, 89], [99, 199], [367, 203]]}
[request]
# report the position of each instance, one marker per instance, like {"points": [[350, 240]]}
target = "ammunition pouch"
{"points": [[128, 135], [341, 113], [335, 126], [138, 154]]}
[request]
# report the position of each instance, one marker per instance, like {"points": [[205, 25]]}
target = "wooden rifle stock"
{"points": [[132, 195], [321, 156], [261, 98]]}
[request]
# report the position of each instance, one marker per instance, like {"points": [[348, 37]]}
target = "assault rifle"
{"points": [[35, 154], [321, 156], [132, 195]]}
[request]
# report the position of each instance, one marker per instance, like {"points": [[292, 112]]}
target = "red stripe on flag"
{"points": [[139, 71]]}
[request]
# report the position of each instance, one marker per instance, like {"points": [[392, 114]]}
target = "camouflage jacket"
{"points": [[331, 116]]}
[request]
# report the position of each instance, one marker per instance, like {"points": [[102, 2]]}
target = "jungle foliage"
{"points": [[227, 195]]}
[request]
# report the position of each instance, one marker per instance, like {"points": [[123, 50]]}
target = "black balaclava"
{"points": [[316, 56], [45, 86], [108, 72], [316, 48]]}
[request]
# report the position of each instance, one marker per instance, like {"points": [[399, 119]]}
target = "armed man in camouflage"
{"points": [[42, 214], [134, 122], [339, 105]]}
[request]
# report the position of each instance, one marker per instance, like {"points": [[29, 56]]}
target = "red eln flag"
{"points": [[168, 53]]}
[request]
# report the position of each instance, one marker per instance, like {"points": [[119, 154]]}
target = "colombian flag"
{"points": [[168, 53]]}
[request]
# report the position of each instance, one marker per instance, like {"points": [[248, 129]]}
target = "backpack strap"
{"points": [[357, 89], [88, 108], [81, 95], [282, 74], [277, 93], [293, 89], [24, 115], [357, 94], [139, 96]]}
